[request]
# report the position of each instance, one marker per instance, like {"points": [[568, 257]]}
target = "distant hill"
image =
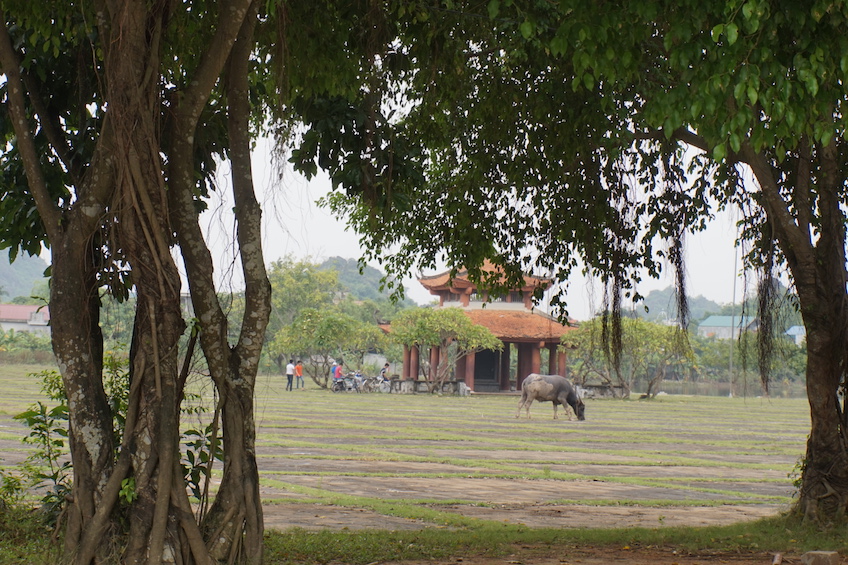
{"points": [[364, 286], [18, 278], [662, 305]]}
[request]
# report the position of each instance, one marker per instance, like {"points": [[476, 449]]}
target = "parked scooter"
{"points": [[346, 383]]}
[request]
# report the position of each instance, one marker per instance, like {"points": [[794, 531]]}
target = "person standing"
{"points": [[289, 374], [298, 375]]}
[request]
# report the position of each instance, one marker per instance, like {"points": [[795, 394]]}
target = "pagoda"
{"points": [[512, 318]]}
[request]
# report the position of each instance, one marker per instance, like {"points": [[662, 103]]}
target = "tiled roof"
{"points": [[443, 280], [22, 312], [519, 325]]}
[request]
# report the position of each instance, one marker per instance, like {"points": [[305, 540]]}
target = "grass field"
{"points": [[674, 450], [351, 462], [431, 452]]}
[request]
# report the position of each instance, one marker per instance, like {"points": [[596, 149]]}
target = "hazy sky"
{"points": [[295, 225]]}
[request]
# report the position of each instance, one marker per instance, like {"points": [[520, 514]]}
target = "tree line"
{"points": [[652, 353], [330, 311]]}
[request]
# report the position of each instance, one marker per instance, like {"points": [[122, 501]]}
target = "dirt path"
{"points": [[317, 516]]}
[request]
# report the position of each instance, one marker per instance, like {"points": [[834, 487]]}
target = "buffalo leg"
{"points": [[524, 403]]}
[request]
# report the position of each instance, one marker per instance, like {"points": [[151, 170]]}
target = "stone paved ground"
{"points": [[694, 462]]}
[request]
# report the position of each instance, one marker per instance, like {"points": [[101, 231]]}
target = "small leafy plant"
{"points": [[48, 433], [201, 447]]}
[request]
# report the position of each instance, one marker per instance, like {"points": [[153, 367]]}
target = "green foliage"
{"points": [[427, 327], [713, 358], [650, 352], [365, 297], [365, 283], [297, 285], [127, 493], [25, 347], [201, 448], [12, 488], [13, 341], [48, 466], [61, 61], [116, 383], [48, 433], [318, 337], [448, 329], [116, 320], [24, 537], [599, 102]]}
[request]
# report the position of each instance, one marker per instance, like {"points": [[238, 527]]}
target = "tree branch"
{"points": [[212, 63], [198, 259], [688, 137], [797, 248], [51, 129], [50, 214], [802, 186], [247, 210]]}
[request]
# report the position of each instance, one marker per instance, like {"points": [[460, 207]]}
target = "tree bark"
{"points": [[75, 332], [119, 205], [817, 264], [233, 527], [142, 228], [78, 345], [237, 510]]}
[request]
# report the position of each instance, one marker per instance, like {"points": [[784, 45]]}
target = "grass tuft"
{"points": [[24, 537]]}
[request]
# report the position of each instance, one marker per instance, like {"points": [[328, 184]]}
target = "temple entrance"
{"points": [[513, 318], [486, 371]]}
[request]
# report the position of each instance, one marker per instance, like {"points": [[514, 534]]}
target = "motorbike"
{"points": [[346, 383]]}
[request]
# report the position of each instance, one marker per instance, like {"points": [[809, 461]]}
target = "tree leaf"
{"points": [[732, 33]]}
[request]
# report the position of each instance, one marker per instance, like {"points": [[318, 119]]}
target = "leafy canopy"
{"points": [[442, 327], [553, 132]]}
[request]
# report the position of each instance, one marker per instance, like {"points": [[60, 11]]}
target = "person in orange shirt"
{"points": [[298, 374]]}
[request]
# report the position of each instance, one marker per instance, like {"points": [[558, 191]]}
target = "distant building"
{"points": [[727, 327], [25, 318], [798, 334], [523, 330]]}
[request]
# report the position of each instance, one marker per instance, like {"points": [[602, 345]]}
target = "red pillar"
{"points": [[552, 360], [435, 354], [536, 358], [407, 361], [459, 370], [469, 370], [413, 363], [562, 362]]}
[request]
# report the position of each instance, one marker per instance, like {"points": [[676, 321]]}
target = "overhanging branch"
{"points": [[49, 212]]}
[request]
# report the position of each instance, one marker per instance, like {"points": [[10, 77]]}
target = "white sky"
{"points": [[294, 224]]}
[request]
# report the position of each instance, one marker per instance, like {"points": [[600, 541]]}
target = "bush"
{"points": [[25, 348]]}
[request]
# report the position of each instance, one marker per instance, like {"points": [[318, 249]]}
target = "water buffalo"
{"points": [[553, 388]]}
